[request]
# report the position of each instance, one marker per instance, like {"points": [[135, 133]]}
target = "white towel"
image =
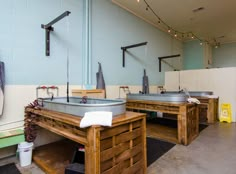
{"points": [[193, 100], [103, 118], [212, 96]]}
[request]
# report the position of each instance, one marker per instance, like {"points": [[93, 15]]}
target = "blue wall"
{"points": [[22, 41], [112, 28], [193, 55], [224, 56], [22, 45]]}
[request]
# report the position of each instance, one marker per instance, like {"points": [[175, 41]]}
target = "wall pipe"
{"points": [[87, 44]]}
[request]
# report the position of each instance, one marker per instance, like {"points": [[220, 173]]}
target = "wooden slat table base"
{"points": [[117, 149], [187, 116], [211, 105]]}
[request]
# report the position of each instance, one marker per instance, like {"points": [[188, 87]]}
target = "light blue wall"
{"points": [[22, 41], [22, 45], [193, 55], [112, 28], [224, 56]]}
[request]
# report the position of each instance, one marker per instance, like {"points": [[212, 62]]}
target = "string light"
{"points": [[175, 34], [169, 29]]}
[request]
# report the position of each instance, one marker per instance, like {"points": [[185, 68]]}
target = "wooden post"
{"points": [[92, 151], [182, 125]]}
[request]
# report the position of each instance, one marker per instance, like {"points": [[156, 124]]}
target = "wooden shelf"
{"points": [[54, 157], [162, 132]]}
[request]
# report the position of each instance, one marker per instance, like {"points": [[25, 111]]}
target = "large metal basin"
{"points": [[159, 97], [75, 107], [191, 93]]}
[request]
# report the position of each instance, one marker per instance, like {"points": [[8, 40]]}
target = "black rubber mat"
{"points": [[156, 148], [9, 169]]}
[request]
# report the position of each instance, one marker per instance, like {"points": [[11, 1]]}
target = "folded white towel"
{"points": [[193, 100], [213, 96], [103, 118]]}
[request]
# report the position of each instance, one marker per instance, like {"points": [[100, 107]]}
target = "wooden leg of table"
{"points": [[182, 126], [92, 151], [144, 145], [211, 111]]}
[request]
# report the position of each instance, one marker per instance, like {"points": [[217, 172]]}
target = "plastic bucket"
{"points": [[25, 153]]}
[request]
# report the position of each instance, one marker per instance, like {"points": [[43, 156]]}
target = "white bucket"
{"points": [[25, 153]]}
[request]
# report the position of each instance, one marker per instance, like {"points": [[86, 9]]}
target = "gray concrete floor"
{"points": [[213, 152]]}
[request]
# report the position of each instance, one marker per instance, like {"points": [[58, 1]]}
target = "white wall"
{"points": [[222, 81]]}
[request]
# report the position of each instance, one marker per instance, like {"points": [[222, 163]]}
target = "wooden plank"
{"points": [[92, 93], [63, 133], [92, 151], [134, 168], [117, 169], [128, 136], [114, 131], [54, 157], [106, 143], [129, 153], [115, 150], [162, 132]]}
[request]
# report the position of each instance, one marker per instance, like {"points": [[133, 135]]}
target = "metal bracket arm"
{"points": [[130, 46], [48, 28], [166, 57]]}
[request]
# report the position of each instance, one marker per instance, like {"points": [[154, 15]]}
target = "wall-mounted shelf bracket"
{"points": [[166, 57], [124, 49], [48, 28]]}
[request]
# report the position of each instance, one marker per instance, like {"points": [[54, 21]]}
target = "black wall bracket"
{"points": [[48, 28], [130, 46], [166, 57]]}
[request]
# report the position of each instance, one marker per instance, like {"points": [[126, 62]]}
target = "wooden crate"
{"points": [[117, 149], [93, 93]]}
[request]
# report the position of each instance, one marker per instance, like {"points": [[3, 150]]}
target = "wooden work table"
{"points": [[187, 118], [117, 149]]}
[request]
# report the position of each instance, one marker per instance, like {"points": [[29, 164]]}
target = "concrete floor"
{"points": [[213, 152]]}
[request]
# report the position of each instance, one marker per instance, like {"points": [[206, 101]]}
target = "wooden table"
{"points": [[187, 116], [117, 149]]}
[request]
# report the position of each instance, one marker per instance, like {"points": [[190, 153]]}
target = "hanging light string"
{"points": [[177, 33]]}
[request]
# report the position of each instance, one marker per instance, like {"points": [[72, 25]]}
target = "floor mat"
{"points": [[9, 169], [156, 148]]}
